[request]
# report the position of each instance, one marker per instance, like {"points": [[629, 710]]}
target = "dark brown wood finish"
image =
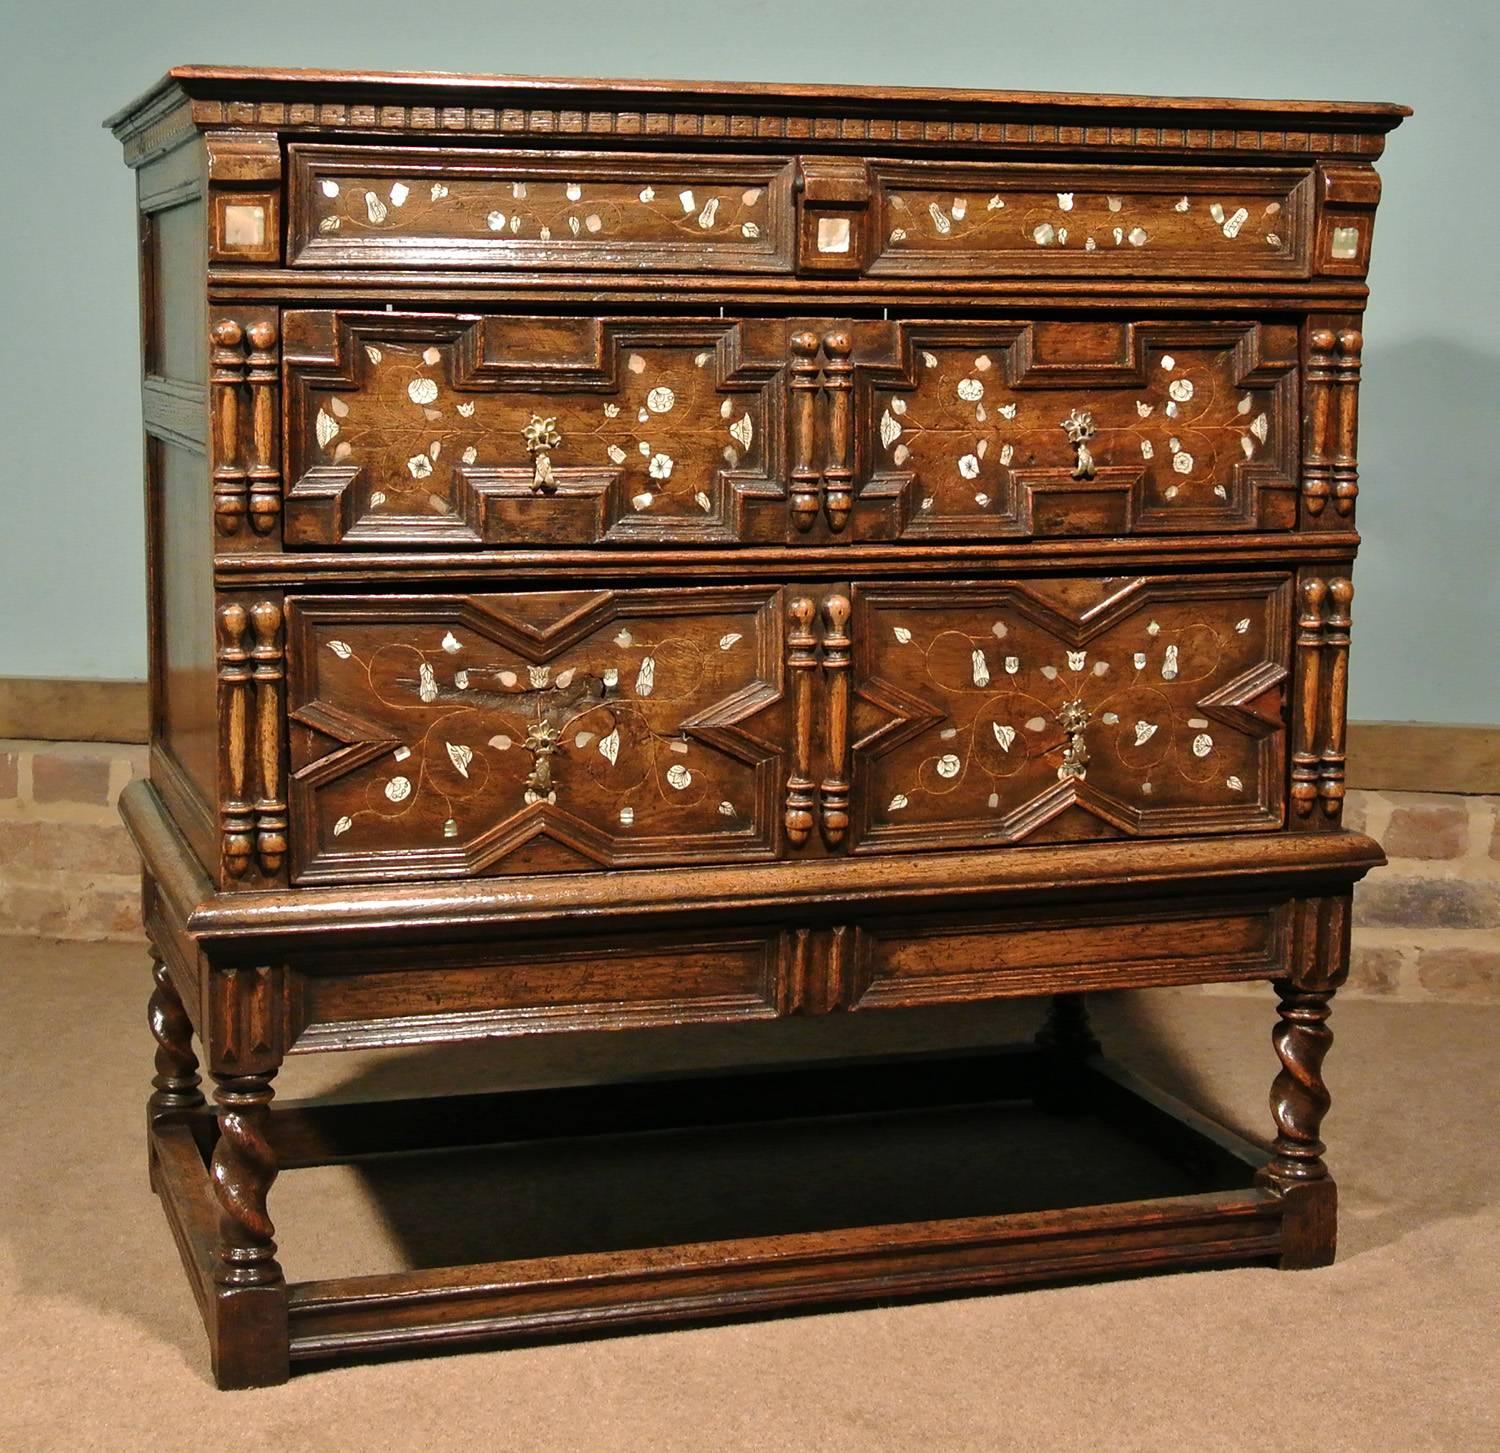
{"points": [[822, 549]]}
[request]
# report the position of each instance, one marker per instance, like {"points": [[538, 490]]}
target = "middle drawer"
{"points": [[462, 430]]}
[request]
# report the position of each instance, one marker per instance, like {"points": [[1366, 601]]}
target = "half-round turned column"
{"points": [[803, 383], [838, 477], [837, 661]]}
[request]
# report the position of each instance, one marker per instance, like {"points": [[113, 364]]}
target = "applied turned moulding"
{"points": [[903, 538]]}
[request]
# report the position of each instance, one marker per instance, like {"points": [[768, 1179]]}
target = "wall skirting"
{"points": [[1384, 756]]}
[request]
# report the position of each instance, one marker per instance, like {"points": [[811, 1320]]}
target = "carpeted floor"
{"points": [[1392, 1348]]}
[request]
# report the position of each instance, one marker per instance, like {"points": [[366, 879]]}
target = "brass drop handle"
{"points": [[1079, 428], [542, 437]]}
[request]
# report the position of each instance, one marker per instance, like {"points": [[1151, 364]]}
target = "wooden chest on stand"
{"points": [[631, 554]]}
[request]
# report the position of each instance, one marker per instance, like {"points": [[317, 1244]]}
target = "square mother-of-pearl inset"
{"points": [[1345, 243], [833, 234], [244, 224]]}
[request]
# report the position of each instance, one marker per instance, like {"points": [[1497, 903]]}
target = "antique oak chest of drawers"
{"points": [[636, 554]]}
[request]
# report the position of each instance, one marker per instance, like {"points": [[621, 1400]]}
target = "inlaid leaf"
{"points": [[460, 756]]}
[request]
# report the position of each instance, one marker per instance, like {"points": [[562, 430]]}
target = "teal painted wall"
{"points": [[1427, 616]]}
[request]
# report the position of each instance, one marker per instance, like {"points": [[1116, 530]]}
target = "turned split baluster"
{"points": [[838, 476], [805, 477], [802, 662], [837, 662]]}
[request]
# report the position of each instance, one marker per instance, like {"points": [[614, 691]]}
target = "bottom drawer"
{"points": [[602, 980], [536, 732], [969, 957]]}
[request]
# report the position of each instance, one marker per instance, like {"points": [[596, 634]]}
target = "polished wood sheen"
{"points": [[632, 554]]}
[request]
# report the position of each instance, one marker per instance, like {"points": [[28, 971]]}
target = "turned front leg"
{"points": [[1299, 1098], [248, 1331], [243, 1168], [1299, 1101], [175, 1085]]}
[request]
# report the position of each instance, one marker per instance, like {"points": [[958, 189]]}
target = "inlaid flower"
{"points": [[660, 399], [968, 466], [420, 466], [422, 390], [660, 466], [971, 390]]}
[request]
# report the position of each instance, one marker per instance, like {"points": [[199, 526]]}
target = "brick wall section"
{"points": [[67, 869], [1426, 927]]}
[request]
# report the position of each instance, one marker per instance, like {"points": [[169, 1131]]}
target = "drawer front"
{"points": [[968, 220], [598, 980], [960, 958], [1063, 710], [1086, 428], [445, 429], [456, 430], [457, 736], [556, 211]]}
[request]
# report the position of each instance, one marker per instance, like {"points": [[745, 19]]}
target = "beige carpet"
{"points": [[1394, 1348]]}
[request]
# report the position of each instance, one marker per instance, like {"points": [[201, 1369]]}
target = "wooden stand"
{"points": [[1224, 1200]]}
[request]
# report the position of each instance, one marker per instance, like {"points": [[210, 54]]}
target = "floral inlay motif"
{"points": [[1082, 221], [964, 428], [410, 429], [543, 209], [1168, 710]]}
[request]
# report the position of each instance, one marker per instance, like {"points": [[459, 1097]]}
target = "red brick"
{"points": [[1424, 826], [1374, 970], [64, 777], [1356, 812], [1390, 899], [29, 847], [10, 765], [41, 912], [1460, 973], [109, 913]]}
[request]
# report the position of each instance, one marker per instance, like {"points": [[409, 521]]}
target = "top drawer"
{"points": [[813, 216], [419, 207]]}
